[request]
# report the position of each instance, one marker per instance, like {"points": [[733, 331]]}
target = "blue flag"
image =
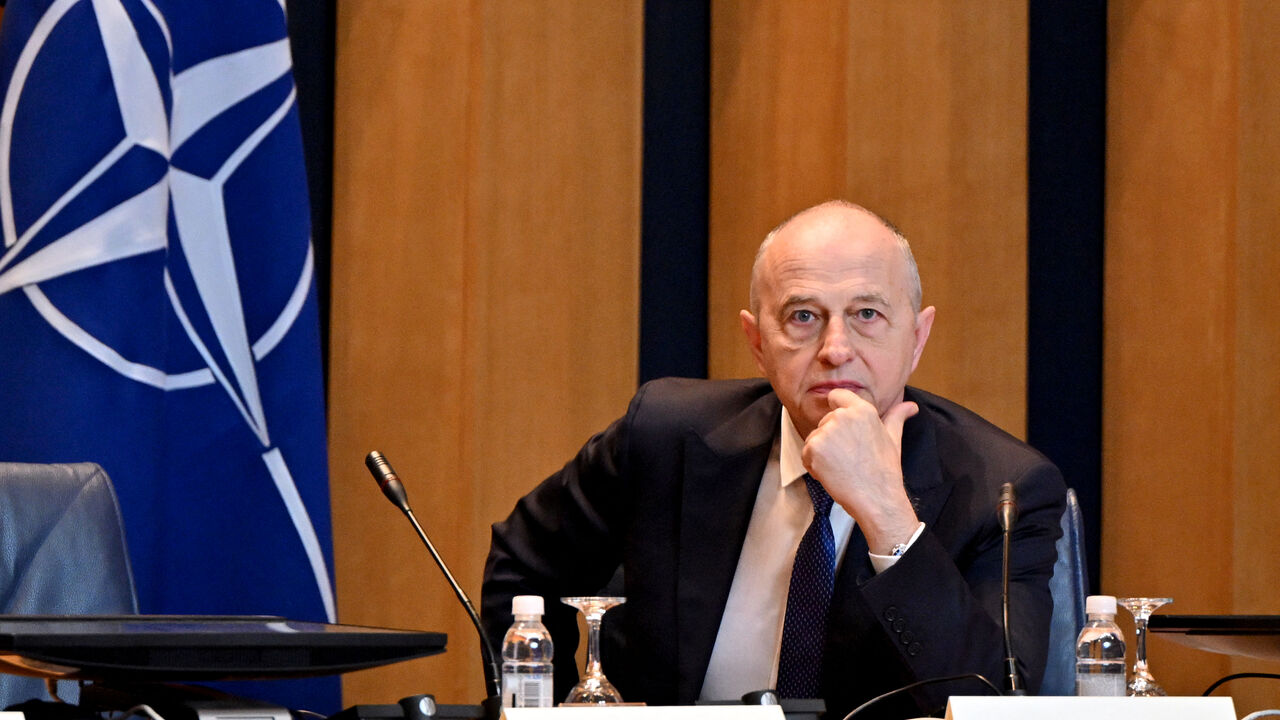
{"points": [[157, 300]]}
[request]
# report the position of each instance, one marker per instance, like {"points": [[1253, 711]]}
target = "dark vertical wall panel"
{"points": [[1066, 135], [673, 269], [311, 36]]}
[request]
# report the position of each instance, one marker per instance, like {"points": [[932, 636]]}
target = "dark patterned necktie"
{"points": [[808, 598]]}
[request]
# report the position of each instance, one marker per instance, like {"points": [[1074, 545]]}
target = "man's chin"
{"points": [[806, 421]]}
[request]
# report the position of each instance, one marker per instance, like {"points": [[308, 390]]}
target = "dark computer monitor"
{"points": [[1255, 636], [198, 647]]}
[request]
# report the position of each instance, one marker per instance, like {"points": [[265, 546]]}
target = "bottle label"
{"points": [[1100, 684], [519, 690]]}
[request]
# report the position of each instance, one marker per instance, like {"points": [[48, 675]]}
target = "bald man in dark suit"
{"points": [[703, 492]]}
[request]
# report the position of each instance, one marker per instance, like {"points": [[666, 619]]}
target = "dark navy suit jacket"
{"points": [[665, 493]]}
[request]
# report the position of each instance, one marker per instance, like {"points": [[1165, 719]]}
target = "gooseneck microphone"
{"points": [[1007, 513], [394, 490]]}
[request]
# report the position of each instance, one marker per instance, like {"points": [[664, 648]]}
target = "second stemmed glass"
{"points": [[1142, 684], [594, 688]]}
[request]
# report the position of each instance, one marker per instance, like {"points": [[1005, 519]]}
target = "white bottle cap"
{"points": [[533, 605], [1095, 605]]}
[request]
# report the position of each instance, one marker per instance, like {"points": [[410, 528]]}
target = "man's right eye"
{"points": [[803, 316]]}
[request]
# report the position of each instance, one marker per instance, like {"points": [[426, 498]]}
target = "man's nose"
{"points": [[837, 345]]}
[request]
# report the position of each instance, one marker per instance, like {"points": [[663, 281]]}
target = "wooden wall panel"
{"points": [[777, 142], [1167, 389], [1256, 444], [916, 110], [486, 245], [937, 142], [1191, 387], [1256, 423]]}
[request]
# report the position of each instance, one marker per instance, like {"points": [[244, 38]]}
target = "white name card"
{"points": [[648, 712], [991, 707]]}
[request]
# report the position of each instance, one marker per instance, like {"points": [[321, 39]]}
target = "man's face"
{"points": [[835, 312]]}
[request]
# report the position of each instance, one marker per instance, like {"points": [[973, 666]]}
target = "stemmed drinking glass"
{"points": [[594, 688], [1142, 684]]}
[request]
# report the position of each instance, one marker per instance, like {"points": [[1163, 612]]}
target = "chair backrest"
{"points": [[62, 551], [1069, 587]]}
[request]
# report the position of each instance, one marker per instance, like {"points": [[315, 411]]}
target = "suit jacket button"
{"points": [[899, 625], [914, 649], [890, 613], [907, 637]]}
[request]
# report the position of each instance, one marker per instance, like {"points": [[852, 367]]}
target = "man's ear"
{"points": [[751, 328], [924, 324]]}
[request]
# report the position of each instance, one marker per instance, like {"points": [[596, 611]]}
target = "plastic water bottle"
{"points": [[526, 656], [1100, 650]]}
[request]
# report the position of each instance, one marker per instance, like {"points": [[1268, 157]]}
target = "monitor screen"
{"points": [[198, 647], [1256, 636]]}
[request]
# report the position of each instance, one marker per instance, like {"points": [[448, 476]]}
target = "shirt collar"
{"points": [[790, 464]]}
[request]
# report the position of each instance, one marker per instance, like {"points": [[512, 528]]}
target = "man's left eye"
{"points": [[867, 314]]}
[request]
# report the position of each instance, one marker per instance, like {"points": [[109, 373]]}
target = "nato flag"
{"points": [[157, 302]]}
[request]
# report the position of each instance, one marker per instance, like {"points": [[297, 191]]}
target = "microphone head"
{"points": [[1007, 507], [378, 464], [387, 479]]}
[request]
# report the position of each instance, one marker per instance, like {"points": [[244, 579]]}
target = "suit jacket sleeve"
{"points": [[564, 538]]}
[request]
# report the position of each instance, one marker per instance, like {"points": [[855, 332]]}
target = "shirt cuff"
{"points": [[884, 562]]}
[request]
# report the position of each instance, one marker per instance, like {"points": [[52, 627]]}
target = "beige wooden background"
{"points": [[1192, 387], [485, 256], [486, 244]]}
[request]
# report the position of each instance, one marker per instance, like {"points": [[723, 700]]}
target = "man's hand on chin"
{"points": [[857, 456]]}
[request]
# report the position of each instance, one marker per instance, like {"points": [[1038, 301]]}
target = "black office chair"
{"points": [[62, 552], [1069, 587]]}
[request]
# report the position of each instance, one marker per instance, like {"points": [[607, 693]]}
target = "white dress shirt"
{"points": [[745, 656]]}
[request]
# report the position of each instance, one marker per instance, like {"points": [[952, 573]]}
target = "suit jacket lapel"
{"points": [[722, 473], [922, 473]]}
